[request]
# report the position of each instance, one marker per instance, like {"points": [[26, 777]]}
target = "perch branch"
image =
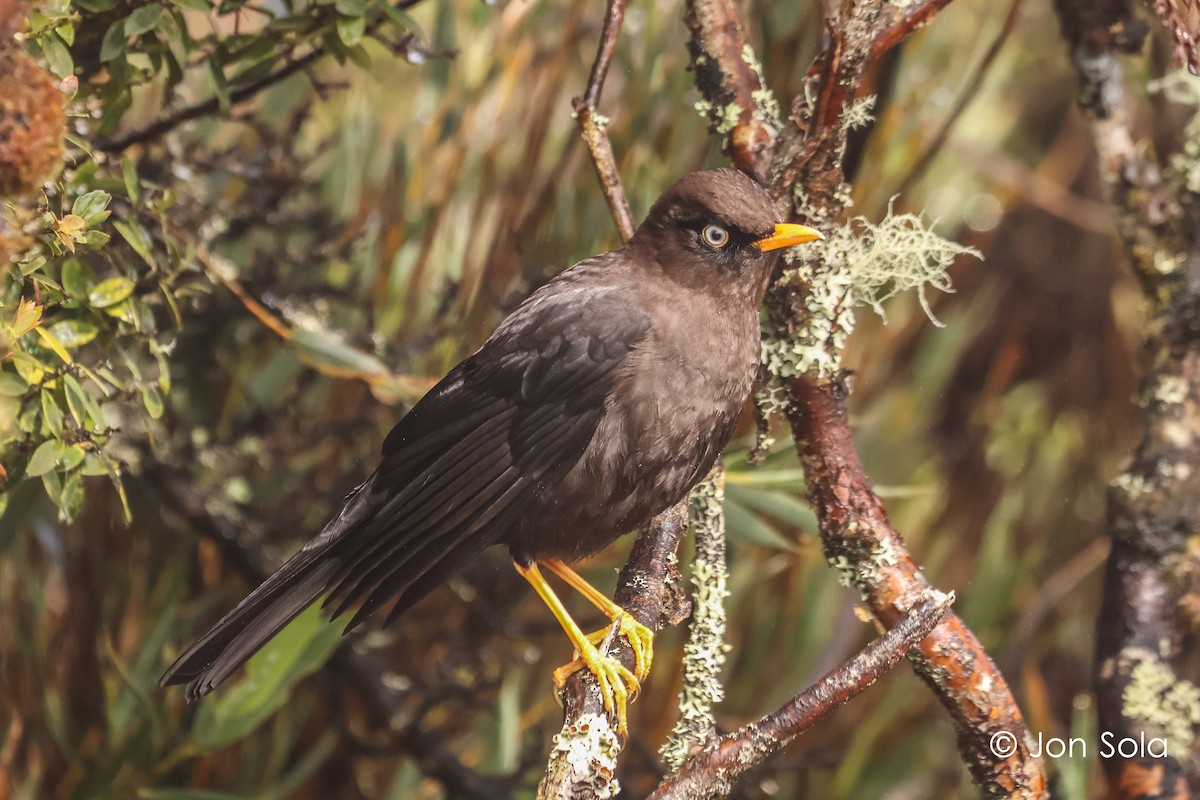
{"points": [[808, 170], [711, 772], [1154, 505]]}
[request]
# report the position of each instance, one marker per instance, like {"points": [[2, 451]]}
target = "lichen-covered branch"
{"points": [[711, 772], [810, 309], [583, 759], [1151, 588], [704, 653]]}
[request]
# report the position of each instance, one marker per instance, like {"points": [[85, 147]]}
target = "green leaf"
{"points": [[114, 42], [84, 410], [77, 278], [138, 238], [12, 385], [111, 292], [782, 506], [71, 498], [745, 526], [143, 19], [51, 413], [74, 332], [350, 29], [90, 205], [45, 458], [72, 457], [133, 186], [299, 649], [194, 5], [153, 401], [53, 486], [57, 55], [351, 8], [320, 349]]}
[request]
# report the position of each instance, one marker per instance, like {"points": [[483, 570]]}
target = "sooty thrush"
{"points": [[595, 405]]}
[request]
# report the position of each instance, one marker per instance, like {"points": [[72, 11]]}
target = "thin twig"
{"points": [[970, 90], [593, 125], [911, 20], [711, 772]]}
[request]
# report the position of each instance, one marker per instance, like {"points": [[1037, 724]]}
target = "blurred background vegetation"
{"points": [[277, 223]]}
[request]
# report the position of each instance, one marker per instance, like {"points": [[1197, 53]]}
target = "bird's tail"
{"points": [[280, 599]]}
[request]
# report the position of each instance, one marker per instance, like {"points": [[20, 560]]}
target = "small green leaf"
{"points": [[84, 410], [70, 500], [57, 55], [194, 5], [138, 238], [111, 292], [74, 332], [153, 401], [53, 485], [45, 458], [133, 186], [12, 385], [351, 8], [51, 413], [90, 205], [77, 278], [323, 351], [143, 19], [114, 42], [350, 29]]}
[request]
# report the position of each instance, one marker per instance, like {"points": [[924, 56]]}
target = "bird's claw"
{"points": [[616, 683], [640, 638]]}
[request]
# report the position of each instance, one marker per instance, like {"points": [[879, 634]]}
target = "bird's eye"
{"points": [[715, 236]]}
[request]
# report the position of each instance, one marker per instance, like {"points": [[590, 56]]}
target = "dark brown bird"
{"points": [[595, 405]]}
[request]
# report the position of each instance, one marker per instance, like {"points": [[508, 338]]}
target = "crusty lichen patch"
{"points": [[704, 653], [1160, 698], [583, 760]]}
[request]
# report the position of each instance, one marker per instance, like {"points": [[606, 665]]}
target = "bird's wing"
{"points": [[456, 472], [462, 465]]}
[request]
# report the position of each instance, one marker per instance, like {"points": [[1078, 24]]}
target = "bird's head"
{"points": [[717, 226]]}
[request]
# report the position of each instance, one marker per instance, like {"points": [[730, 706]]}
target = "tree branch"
{"points": [[584, 758], [1154, 505], [711, 772], [807, 171]]}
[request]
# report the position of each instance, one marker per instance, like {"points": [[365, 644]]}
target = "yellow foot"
{"points": [[617, 684], [640, 638]]}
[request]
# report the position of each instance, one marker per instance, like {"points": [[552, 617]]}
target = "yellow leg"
{"points": [[617, 684], [640, 638]]}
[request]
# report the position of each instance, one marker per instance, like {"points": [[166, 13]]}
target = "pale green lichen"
{"points": [[764, 99], [858, 113], [723, 119], [1158, 697], [899, 254], [584, 754], [704, 653]]}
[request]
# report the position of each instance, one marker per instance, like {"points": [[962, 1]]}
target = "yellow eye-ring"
{"points": [[715, 236]]}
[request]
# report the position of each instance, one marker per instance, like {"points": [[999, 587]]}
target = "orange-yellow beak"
{"points": [[786, 235]]}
